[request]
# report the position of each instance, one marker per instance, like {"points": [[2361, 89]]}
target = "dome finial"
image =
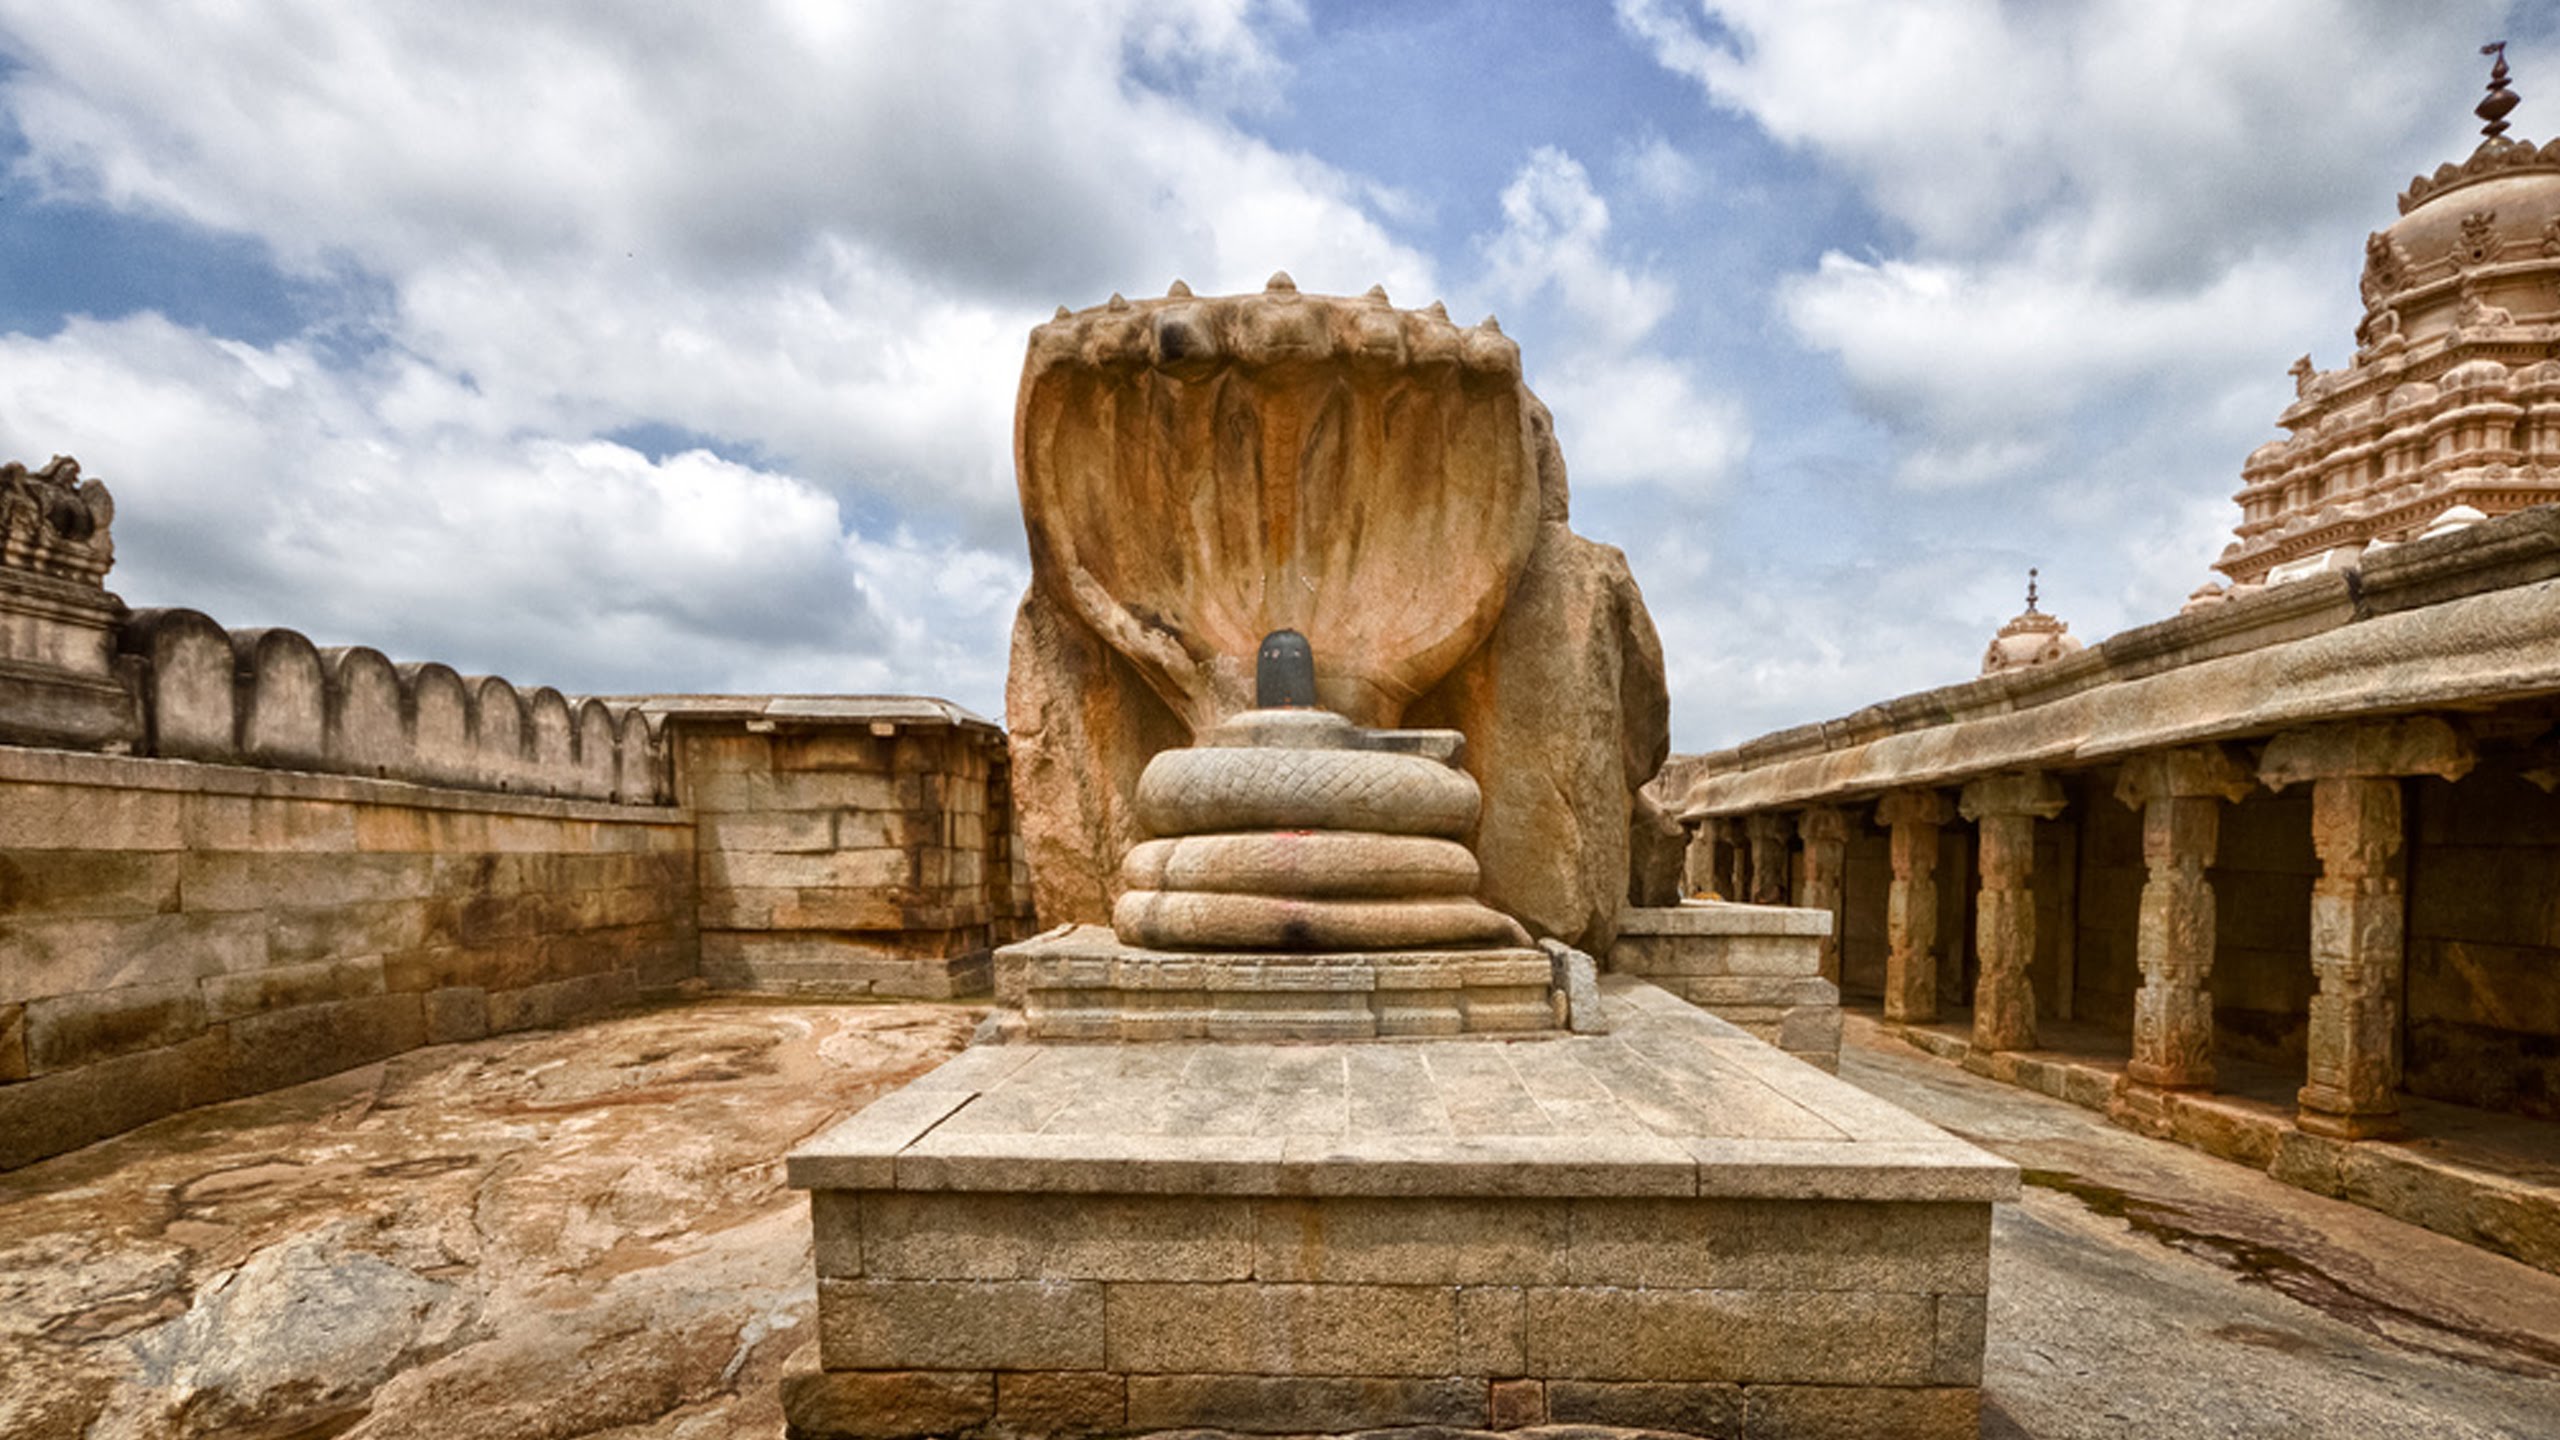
{"points": [[2494, 106], [2031, 589]]}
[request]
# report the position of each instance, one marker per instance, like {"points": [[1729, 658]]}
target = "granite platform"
{"points": [[1670, 1225]]}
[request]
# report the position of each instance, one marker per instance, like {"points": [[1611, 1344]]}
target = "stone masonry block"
{"points": [[1683, 1408], [54, 1113], [1809, 1337], [1858, 1412], [835, 1230], [820, 790], [47, 884], [891, 1405], [87, 817], [268, 823], [456, 1012], [1254, 1329], [1780, 1245], [1411, 1241], [1516, 1404], [723, 908], [67, 1031], [13, 1043], [784, 832], [63, 957], [248, 881], [1303, 1404], [281, 987], [960, 1324], [912, 1235], [1490, 1338], [1962, 1323], [834, 869], [298, 934], [287, 1047], [1056, 1404]]}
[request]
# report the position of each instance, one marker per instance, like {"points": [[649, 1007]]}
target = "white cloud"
{"points": [[2150, 140], [1982, 368], [2100, 199], [1657, 170], [263, 487], [1626, 412], [815, 234]]}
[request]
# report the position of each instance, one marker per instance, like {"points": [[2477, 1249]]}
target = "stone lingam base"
{"points": [[1079, 982], [1671, 1225]]}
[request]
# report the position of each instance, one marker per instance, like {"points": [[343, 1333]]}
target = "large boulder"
{"points": [[1196, 473]]}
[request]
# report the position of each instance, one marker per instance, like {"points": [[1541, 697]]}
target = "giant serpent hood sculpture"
{"points": [[1197, 472]]}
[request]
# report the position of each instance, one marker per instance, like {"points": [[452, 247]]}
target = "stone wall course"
{"points": [[1259, 1329], [960, 1324], [1805, 1337], [1045, 1237], [1361, 1240], [278, 948], [68, 1031], [1302, 1403], [890, 1405]]}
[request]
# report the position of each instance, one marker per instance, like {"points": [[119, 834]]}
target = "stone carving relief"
{"points": [[1197, 472], [54, 523], [2479, 243], [2386, 267]]}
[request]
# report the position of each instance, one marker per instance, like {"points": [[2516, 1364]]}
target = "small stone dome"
{"points": [[2031, 638]]}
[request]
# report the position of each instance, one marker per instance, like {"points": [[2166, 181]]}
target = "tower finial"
{"points": [[2494, 106], [2031, 589]]}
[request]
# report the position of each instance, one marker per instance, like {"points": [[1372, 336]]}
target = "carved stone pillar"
{"points": [[2007, 807], [2180, 794], [1732, 862], [1911, 904], [2352, 1082], [1769, 835], [1697, 858], [1819, 873]]}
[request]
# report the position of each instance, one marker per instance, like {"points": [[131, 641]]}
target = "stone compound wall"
{"points": [[1755, 966], [173, 934], [232, 860], [849, 847]]}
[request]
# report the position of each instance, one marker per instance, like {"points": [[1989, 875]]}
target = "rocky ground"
{"points": [[584, 1233], [568, 1233]]}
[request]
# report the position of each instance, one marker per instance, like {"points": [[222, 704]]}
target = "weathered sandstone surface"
{"points": [[1197, 473], [534, 1237]]}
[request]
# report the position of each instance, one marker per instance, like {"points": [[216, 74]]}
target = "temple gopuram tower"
{"points": [[2449, 412]]}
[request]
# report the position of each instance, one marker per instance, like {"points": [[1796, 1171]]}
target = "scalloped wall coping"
{"points": [[270, 698]]}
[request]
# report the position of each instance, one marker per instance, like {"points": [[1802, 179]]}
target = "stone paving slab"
{"points": [[1670, 1102]]}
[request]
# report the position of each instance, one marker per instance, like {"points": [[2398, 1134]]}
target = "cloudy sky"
{"points": [[653, 346]]}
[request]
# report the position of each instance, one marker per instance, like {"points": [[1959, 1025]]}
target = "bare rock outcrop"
{"points": [[1196, 473]]}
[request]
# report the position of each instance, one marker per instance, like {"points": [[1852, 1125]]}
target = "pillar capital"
{"points": [[2193, 773], [1824, 825], [2409, 745], [1770, 825], [1914, 807], [2028, 793]]}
